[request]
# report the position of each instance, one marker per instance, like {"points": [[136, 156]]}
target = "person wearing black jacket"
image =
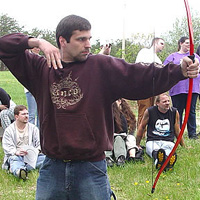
{"points": [[6, 109], [124, 140]]}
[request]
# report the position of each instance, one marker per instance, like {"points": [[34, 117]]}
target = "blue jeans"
{"points": [[59, 180], [17, 162], [179, 101], [32, 109]]}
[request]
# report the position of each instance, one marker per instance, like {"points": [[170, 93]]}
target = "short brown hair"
{"points": [[155, 40], [19, 108], [68, 25]]}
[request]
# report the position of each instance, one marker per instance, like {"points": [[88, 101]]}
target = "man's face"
{"points": [[78, 48], [160, 46], [22, 117], [164, 104]]}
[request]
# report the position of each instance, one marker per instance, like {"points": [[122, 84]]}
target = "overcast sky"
{"points": [[106, 16]]}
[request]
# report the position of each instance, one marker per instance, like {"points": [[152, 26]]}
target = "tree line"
{"points": [[133, 45]]}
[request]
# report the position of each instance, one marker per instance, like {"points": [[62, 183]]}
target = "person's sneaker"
{"points": [[161, 157], [171, 162], [22, 173], [121, 161], [140, 159], [131, 159], [109, 162], [139, 155]]}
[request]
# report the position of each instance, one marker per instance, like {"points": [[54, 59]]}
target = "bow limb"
{"points": [[187, 111]]}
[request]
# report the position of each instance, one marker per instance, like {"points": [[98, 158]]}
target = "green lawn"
{"points": [[132, 182], [9, 83]]}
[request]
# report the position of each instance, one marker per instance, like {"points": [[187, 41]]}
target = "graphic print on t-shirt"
{"points": [[66, 93], [162, 127]]}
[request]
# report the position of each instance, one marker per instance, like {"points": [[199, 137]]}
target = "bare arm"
{"points": [[3, 107], [177, 128], [141, 127], [52, 53]]}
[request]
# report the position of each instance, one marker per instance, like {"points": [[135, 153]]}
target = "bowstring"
{"points": [[153, 94]]}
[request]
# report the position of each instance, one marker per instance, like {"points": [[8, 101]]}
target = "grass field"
{"points": [[132, 182]]}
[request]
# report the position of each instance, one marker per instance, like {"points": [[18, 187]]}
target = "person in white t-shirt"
{"points": [[148, 55], [17, 137]]}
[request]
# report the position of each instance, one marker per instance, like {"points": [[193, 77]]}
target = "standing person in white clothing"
{"points": [[148, 55]]}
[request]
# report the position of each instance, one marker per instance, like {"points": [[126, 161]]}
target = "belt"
{"points": [[67, 160]]}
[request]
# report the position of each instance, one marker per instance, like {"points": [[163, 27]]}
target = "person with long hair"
{"points": [[179, 92], [124, 140], [162, 122]]}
